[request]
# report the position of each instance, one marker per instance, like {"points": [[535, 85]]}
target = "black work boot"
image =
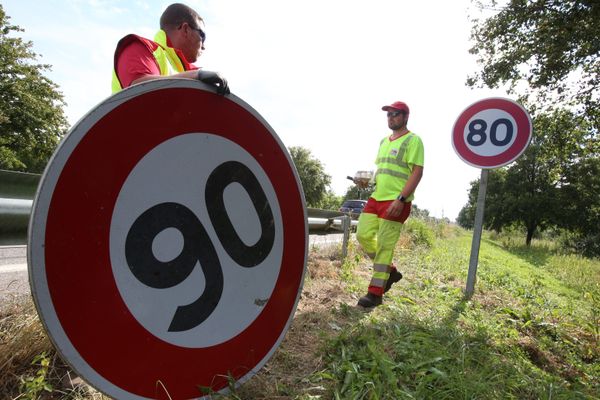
{"points": [[370, 300], [395, 276]]}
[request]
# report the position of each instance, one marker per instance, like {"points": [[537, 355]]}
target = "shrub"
{"points": [[420, 233], [587, 245]]}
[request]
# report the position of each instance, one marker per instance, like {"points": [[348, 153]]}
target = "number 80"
{"points": [[478, 132]]}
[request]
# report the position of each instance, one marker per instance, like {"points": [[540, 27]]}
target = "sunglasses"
{"points": [[201, 33], [392, 114]]}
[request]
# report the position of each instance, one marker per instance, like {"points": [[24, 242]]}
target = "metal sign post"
{"points": [[477, 229]]}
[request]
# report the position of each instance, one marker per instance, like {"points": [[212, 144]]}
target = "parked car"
{"points": [[354, 207]]}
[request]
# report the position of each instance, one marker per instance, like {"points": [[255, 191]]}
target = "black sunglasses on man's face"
{"points": [[200, 32]]}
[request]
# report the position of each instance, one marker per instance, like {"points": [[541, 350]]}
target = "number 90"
{"points": [[198, 246]]}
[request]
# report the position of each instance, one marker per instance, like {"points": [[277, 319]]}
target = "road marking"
{"points": [[4, 269]]}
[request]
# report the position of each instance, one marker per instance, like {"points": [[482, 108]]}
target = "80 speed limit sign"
{"points": [[168, 242], [492, 133]]}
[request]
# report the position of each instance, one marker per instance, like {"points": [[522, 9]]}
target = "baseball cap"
{"points": [[398, 105]]}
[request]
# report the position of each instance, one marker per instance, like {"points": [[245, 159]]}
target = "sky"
{"points": [[318, 71]]}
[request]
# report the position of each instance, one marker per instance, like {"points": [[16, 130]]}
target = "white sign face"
{"points": [[491, 133], [170, 174], [168, 242]]}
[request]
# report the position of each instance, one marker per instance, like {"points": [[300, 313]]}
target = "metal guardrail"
{"points": [[17, 191], [18, 185]]}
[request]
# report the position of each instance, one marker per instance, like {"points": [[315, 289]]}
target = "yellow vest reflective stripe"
{"points": [[168, 60], [391, 172], [398, 159], [166, 57]]}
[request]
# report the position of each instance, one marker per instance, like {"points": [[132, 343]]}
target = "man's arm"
{"points": [[413, 181], [136, 64], [181, 75], [395, 209], [209, 77]]}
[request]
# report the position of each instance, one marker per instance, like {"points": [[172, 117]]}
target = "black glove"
{"points": [[214, 79]]}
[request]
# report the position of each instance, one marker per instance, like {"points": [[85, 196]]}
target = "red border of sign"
{"points": [[77, 260], [524, 131]]}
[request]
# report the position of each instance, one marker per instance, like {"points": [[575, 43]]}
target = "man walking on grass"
{"points": [[399, 170]]}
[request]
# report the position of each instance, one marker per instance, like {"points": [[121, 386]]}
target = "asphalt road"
{"points": [[14, 279]]}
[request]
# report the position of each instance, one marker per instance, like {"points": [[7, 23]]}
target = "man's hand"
{"points": [[214, 79], [395, 209]]}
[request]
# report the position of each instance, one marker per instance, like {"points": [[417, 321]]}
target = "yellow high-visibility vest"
{"points": [[394, 167]]}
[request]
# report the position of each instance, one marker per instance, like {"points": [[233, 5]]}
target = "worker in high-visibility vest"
{"points": [[177, 45], [399, 170]]}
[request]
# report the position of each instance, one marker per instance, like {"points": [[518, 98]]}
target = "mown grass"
{"points": [[530, 331]]}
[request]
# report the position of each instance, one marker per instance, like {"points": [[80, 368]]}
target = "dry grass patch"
{"points": [[324, 309], [21, 340], [291, 371]]}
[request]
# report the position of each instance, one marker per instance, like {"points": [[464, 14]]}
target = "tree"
{"points": [[552, 45], [354, 193], [330, 201], [494, 214], [315, 181], [466, 215], [31, 115], [581, 205]]}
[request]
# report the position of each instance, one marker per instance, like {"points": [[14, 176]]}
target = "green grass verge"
{"points": [[531, 330]]}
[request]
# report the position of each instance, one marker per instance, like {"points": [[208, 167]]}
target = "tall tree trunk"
{"points": [[530, 232]]}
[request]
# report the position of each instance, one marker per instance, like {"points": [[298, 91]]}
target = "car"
{"points": [[353, 207]]}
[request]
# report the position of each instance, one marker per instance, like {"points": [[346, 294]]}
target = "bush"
{"points": [[587, 245], [420, 233]]}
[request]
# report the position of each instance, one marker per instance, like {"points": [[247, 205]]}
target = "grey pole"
{"points": [[346, 224], [477, 228]]}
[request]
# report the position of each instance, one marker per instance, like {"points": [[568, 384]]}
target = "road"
{"points": [[14, 279]]}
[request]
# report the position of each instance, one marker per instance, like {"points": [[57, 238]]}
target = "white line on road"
{"points": [[4, 269]]}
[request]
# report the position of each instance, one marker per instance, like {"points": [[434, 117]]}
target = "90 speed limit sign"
{"points": [[492, 133], [168, 242]]}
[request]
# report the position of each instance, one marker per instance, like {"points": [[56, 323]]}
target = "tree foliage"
{"points": [[581, 206], [31, 115], [551, 45], [354, 193], [315, 181], [330, 201]]}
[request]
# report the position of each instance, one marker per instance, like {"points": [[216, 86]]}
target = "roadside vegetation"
{"points": [[531, 330]]}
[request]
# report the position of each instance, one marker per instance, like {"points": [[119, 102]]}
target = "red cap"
{"points": [[398, 105]]}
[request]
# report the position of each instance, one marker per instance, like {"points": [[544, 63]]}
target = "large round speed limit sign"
{"points": [[168, 242], [491, 133]]}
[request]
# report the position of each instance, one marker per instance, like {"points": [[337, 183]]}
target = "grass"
{"points": [[530, 331]]}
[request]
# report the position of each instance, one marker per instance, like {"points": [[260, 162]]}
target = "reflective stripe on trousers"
{"points": [[379, 236]]}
